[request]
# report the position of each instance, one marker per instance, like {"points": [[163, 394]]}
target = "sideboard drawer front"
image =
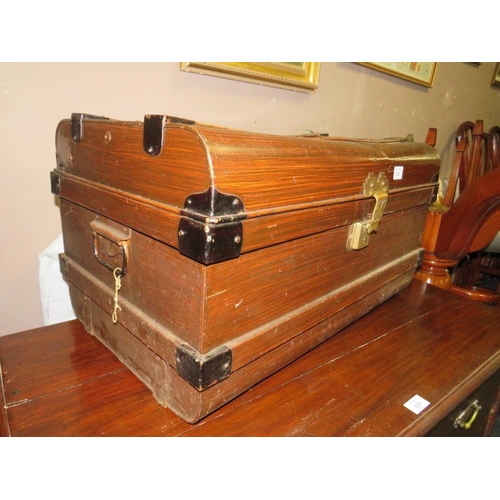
{"points": [[475, 416]]}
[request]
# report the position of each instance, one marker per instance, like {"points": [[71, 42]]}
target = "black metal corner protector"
{"points": [[202, 371], [153, 131], [55, 183], [77, 124], [210, 229]]}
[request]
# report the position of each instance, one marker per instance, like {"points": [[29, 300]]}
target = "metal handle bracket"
{"points": [[110, 245]]}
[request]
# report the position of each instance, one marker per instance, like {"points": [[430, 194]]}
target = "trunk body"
{"points": [[207, 258]]}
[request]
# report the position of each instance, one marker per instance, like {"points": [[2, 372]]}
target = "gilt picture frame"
{"points": [[298, 76], [496, 76], [422, 73]]}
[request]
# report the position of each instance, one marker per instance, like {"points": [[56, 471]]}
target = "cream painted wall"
{"points": [[351, 101]]}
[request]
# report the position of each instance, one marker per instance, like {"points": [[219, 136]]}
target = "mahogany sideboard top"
{"points": [[61, 381]]}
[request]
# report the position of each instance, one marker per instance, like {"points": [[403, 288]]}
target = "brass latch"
{"points": [[359, 232]]}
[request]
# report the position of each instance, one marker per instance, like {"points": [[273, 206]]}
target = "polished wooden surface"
{"points": [[60, 381]]}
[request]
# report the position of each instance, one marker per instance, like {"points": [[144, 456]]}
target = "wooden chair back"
{"points": [[467, 218], [493, 149]]}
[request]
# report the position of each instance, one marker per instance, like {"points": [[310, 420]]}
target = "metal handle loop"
{"points": [[124, 251], [459, 422]]}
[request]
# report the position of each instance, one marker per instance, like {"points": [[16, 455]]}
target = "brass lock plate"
{"points": [[359, 232]]}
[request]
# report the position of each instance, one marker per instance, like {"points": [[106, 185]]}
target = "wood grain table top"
{"points": [[61, 381]]}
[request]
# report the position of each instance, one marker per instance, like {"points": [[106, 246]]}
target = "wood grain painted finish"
{"points": [[231, 299], [268, 172], [294, 282]]}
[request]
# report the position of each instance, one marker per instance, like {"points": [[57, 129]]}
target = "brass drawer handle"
{"points": [[462, 422]]}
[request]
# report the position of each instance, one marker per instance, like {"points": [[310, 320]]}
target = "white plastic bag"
{"points": [[54, 292]]}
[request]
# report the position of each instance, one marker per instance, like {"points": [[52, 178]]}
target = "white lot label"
{"points": [[416, 404], [398, 173]]}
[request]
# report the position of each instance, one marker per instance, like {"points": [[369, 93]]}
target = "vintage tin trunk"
{"points": [[208, 258]]}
